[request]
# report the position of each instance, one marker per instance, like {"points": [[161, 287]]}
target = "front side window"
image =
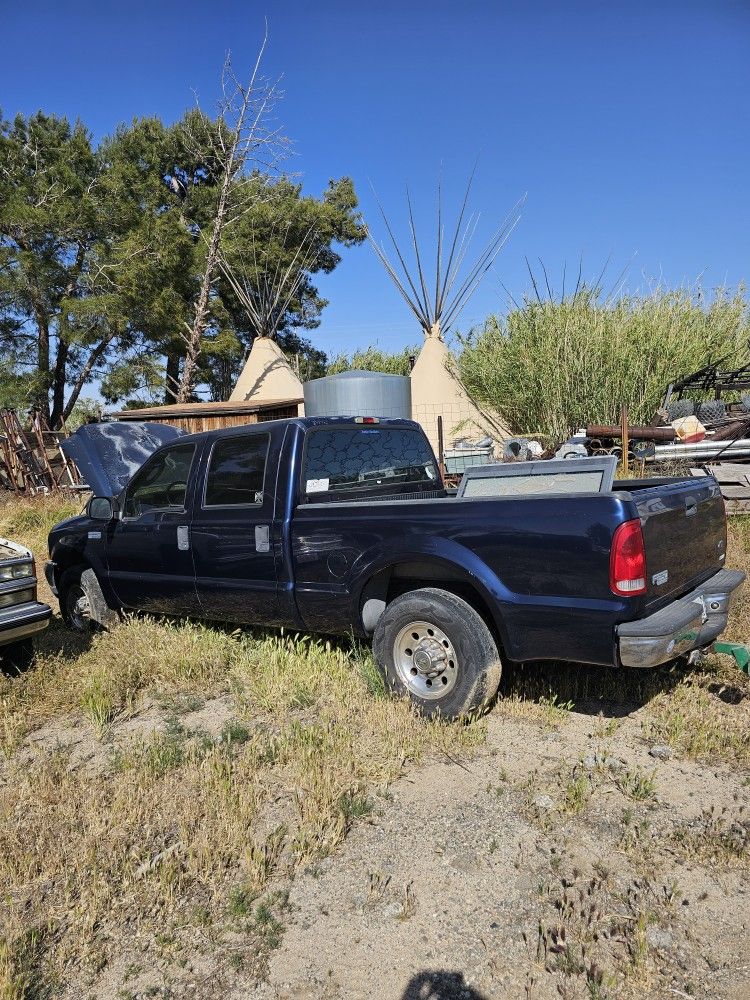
{"points": [[374, 460], [161, 483], [236, 471]]}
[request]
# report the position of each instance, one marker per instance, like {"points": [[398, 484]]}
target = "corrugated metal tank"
{"points": [[358, 393]]}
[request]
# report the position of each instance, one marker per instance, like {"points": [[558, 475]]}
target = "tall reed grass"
{"points": [[373, 359], [550, 367]]}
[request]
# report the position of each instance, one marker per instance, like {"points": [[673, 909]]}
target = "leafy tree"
{"points": [[14, 386], [97, 252], [282, 228], [47, 225], [103, 255]]}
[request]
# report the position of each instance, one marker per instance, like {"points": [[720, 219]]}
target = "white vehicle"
{"points": [[21, 615]]}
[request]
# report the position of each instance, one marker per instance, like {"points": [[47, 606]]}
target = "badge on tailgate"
{"points": [[659, 578]]}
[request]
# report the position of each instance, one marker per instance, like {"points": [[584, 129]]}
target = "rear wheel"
{"points": [[82, 602], [433, 647]]}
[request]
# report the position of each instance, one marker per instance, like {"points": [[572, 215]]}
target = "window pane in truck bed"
{"points": [[367, 459], [519, 486], [236, 471]]}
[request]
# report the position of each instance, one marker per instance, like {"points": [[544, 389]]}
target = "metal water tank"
{"points": [[358, 393]]}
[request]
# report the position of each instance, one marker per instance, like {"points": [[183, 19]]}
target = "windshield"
{"points": [[348, 461]]}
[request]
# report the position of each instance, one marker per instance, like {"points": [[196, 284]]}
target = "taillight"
{"points": [[627, 560]]}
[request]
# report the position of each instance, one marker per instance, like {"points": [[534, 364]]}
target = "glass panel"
{"points": [[236, 471], [360, 459], [161, 483], [518, 486]]}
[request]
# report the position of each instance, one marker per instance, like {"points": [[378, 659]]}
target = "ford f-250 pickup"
{"points": [[340, 525]]}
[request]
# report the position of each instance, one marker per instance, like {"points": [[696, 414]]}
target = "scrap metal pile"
{"points": [[694, 430], [693, 425], [31, 460]]}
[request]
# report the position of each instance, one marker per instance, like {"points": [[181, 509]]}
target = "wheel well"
{"points": [[68, 560], [401, 578]]}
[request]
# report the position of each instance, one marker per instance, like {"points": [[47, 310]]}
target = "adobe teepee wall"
{"points": [[267, 375], [435, 391]]}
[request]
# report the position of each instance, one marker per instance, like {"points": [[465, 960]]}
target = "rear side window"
{"points": [[236, 471], [371, 460], [161, 483]]}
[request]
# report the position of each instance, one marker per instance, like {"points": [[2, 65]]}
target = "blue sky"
{"points": [[627, 124]]}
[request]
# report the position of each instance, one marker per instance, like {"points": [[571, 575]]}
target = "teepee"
{"points": [[266, 295], [435, 389]]}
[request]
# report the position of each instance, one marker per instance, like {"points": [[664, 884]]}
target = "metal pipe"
{"points": [[637, 433], [702, 449]]}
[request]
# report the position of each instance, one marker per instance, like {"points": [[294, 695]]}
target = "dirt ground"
{"points": [[571, 856], [493, 879], [194, 813]]}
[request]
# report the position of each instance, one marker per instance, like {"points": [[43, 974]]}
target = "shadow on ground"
{"points": [[606, 691], [440, 985], [56, 640]]}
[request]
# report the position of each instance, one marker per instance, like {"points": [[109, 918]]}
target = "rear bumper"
{"points": [[23, 620], [692, 622]]}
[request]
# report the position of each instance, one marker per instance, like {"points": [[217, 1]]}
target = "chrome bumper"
{"points": [[692, 622], [22, 620]]}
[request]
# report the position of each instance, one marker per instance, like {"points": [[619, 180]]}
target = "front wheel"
{"points": [[435, 648], [82, 602]]}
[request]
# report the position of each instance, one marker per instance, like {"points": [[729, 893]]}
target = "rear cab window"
{"points": [[236, 471], [361, 462]]}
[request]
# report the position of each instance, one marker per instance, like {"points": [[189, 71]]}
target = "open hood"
{"points": [[108, 454]]}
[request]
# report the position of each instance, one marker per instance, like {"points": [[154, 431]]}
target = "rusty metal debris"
{"points": [[31, 461]]}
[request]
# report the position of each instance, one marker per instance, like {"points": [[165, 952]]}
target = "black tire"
{"points": [[17, 656], [455, 648], [712, 411], [82, 603], [681, 408]]}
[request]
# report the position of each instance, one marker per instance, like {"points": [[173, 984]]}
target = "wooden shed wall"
{"points": [[211, 420], [215, 421]]}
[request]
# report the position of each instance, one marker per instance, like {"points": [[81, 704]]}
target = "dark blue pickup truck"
{"points": [[341, 525]]}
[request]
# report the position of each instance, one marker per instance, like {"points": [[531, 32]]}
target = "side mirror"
{"points": [[102, 509]]}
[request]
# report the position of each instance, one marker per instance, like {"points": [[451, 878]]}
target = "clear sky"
{"points": [[627, 124]]}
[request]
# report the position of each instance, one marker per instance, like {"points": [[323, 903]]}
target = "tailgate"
{"points": [[684, 530]]}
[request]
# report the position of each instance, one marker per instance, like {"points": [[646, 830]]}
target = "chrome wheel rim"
{"points": [[425, 660], [79, 609]]}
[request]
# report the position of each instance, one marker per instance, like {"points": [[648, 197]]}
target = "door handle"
{"points": [[262, 538], [183, 537]]}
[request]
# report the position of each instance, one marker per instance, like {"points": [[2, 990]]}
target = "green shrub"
{"points": [[550, 367], [372, 359]]}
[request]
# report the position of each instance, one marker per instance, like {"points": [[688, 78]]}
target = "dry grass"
{"points": [[124, 813], [706, 714], [157, 817], [116, 815]]}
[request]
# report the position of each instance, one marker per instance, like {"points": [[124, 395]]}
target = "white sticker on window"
{"points": [[317, 485]]}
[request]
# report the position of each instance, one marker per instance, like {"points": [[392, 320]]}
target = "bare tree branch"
{"points": [[245, 142]]}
